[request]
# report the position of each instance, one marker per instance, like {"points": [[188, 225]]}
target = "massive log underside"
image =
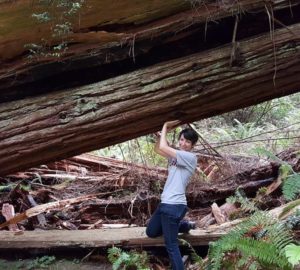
{"points": [[115, 38], [178, 56]]}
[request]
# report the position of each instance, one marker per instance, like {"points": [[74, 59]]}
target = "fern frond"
{"points": [[246, 204], [291, 187], [265, 253], [265, 246], [113, 254]]}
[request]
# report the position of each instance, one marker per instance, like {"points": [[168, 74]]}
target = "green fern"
{"points": [[291, 187], [259, 238], [246, 204]]}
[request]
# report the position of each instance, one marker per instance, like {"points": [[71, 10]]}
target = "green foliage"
{"points": [[264, 152], [124, 260], [12, 266], [196, 259], [272, 125], [262, 191], [291, 187], [240, 197], [140, 150], [59, 14], [292, 252], [291, 180], [260, 239], [42, 262], [251, 123], [42, 17], [239, 131]]}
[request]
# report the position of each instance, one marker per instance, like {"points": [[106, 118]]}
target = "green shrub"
{"points": [[125, 260]]}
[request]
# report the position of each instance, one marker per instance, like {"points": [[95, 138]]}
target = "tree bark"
{"points": [[113, 39], [63, 124]]}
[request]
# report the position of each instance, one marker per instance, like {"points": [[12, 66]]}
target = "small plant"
{"points": [[246, 204], [262, 191], [125, 260], [196, 259], [42, 262], [59, 14]]}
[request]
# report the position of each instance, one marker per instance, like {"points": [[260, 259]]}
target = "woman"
{"points": [[167, 218]]}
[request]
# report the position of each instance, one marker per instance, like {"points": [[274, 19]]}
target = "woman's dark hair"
{"points": [[189, 134]]}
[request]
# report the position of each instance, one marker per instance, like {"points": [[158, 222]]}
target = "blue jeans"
{"points": [[167, 221]]}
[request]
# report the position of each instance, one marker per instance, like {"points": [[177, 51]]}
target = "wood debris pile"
{"points": [[89, 192]]}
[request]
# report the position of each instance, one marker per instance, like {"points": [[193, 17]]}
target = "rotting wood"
{"points": [[217, 213], [94, 209], [88, 167], [60, 125], [141, 194], [8, 212], [36, 210], [226, 210], [41, 218], [281, 212], [274, 213]]}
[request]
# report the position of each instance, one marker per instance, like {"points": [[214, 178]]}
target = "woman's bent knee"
{"points": [[150, 233]]}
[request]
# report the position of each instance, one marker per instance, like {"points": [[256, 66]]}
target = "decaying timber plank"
{"points": [[128, 237]]}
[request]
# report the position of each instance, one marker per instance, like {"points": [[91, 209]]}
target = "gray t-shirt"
{"points": [[180, 171]]}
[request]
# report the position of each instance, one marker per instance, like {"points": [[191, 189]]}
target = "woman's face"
{"points": [[185, 144]]}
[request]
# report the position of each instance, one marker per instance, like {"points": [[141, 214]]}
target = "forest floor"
{"points": [[95, 193]]}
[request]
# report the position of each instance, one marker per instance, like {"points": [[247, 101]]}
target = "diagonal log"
{"points": [[63, 124]]}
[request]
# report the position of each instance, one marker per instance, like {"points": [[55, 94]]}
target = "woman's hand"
{"points": [[163, 144], [171, 124]]}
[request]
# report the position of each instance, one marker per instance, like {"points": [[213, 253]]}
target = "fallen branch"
{"points": [[34, 211]]}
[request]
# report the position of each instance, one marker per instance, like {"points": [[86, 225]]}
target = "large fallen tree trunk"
{"points": [[113, 39], [63, 124]]}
